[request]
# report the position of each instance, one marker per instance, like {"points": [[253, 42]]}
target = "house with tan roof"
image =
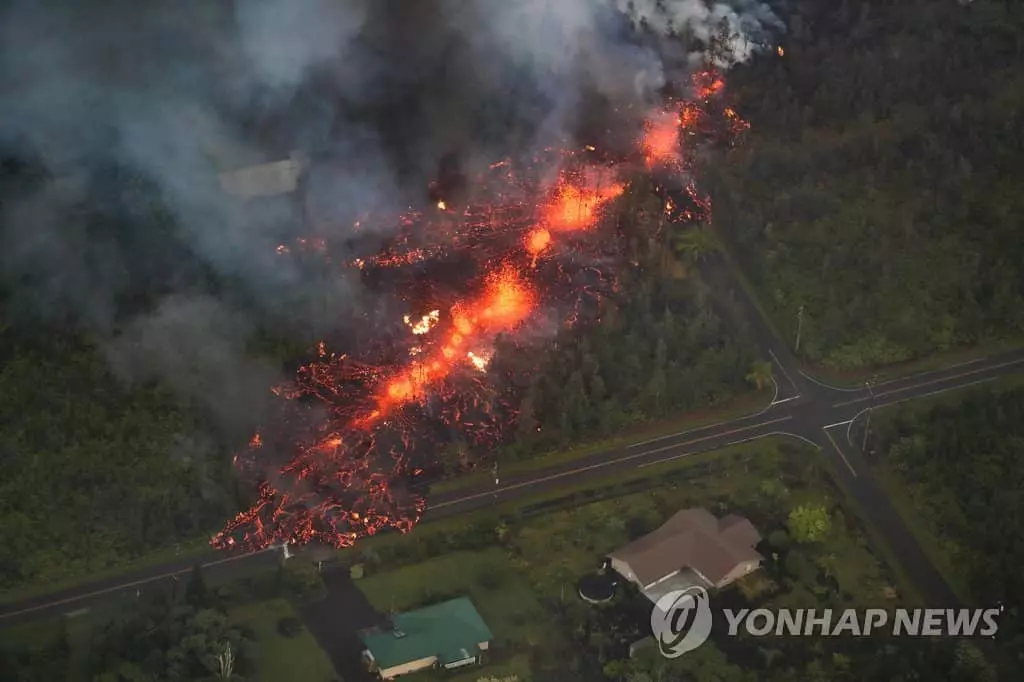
{"points": [[693, 547]]}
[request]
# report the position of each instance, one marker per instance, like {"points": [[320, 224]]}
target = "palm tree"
{"points": [[760, 374], [695, 244]]}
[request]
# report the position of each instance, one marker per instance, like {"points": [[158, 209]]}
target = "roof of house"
{"points": [[450, 630], [265, 179], [691, 538]]}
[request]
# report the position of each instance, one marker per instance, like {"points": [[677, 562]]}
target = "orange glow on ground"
{"points": [[575, 208], [538, 240], [661, 139], [506, 301]]}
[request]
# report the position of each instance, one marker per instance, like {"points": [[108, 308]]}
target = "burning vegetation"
{"points": [[356, 431]]}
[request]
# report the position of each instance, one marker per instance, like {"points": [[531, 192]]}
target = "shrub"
{"points": [[289, 626]]}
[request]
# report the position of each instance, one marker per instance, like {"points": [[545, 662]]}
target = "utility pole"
{"points": [[871, 406], [799, 326]]}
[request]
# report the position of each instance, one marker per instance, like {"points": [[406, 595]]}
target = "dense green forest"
{"points": [[879, 185], [963, 465], [96, 472]]}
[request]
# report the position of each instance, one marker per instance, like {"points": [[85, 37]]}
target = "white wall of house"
{"points": [[406, 668], [738, 572], [623, 569]]}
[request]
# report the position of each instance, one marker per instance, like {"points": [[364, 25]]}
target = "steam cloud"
{"points": [[376, 91]]}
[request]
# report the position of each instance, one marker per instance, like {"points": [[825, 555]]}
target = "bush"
{"points": [[809, 523], [490, 577], [289, 626], [638, 526], [778, 540]]}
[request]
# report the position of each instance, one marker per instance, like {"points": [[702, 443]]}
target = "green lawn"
{"points": [[518, 666], [507, 605], [279, 658]]}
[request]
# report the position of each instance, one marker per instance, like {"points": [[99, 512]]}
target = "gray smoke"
{"points": [[173, 92], [197, 348]]}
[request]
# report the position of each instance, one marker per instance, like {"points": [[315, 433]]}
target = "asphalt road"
{"points": [[804, 409]]}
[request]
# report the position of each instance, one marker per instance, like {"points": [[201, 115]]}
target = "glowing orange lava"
{"points": [[661, 139], [575, 208], [538, 240], [507, 300], [707, 84]]}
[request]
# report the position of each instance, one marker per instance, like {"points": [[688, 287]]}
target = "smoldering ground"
{"points": [[118, 118]]}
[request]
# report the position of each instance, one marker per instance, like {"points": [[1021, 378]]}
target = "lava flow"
{"points": [[354, 433], [506, 302]]}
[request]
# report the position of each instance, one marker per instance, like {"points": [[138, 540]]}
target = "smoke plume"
{"points": [[129, 113]]}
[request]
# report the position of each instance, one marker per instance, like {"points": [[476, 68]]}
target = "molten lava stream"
{"points": [[506, 302], [336, 485], [572, 209], [660, 142]]}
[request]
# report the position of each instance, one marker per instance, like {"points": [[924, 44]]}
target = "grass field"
{"points": [[518, 666], [279, 658], [506, 603]]}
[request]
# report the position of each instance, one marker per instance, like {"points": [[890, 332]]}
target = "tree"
{"points": [[196, 592], [695, 244], [808, 523], [760, 374]]}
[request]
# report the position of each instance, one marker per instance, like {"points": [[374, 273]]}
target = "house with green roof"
{"points": [[446, 635]]}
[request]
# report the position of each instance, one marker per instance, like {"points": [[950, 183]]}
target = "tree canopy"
{"points": [[963, 465], [878, 186]]}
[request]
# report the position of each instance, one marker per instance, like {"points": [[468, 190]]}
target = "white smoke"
{"points": [[741, 24], [283, 40]]}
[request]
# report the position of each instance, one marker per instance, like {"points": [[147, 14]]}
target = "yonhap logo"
{"points": [[681, 621]]}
